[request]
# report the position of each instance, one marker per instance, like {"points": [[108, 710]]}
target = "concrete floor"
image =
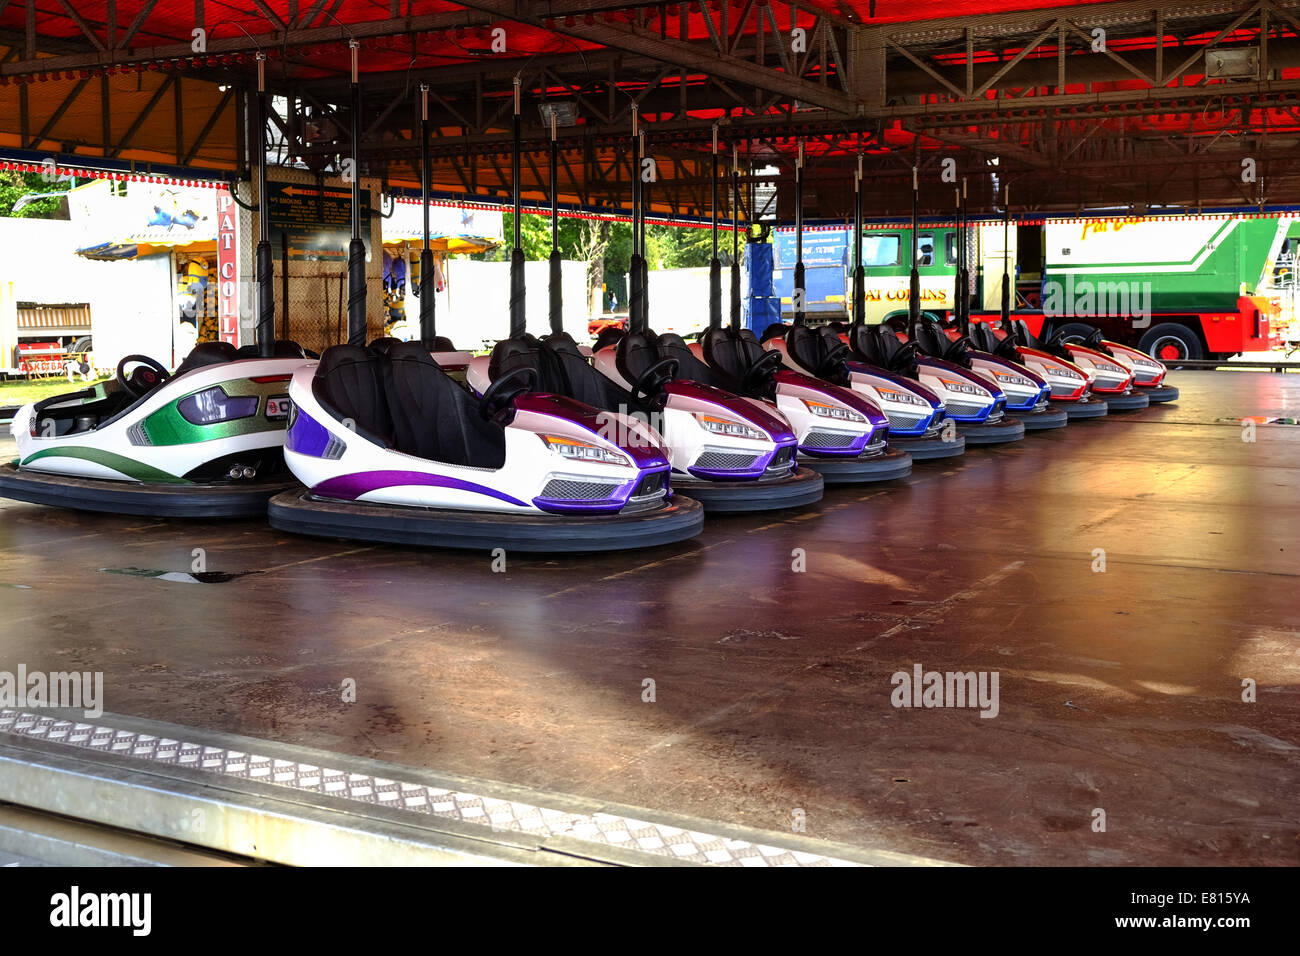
{"points": [[1118, 690]]}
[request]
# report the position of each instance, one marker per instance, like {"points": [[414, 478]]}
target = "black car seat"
{"points": [[1097, 342], [349, 384], [638, 352], [526, 351], [510, 354], [879, 345], [689, 366], [1048, 339], [433, 417], [733, 354], [440, 344], [931, 340], [585, 383], [898, 355], [609, 335], [862, 343], [1033, 341], [774, 331], [283, 348], [635, 353], [207, 353], [983, 337], [819, 352], [288, 348]]}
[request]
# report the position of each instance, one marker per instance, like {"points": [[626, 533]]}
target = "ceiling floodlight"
{"points": [[1238, 64], [564, 111]]}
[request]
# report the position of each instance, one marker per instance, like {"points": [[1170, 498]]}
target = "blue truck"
{"points": [[826, 268]]}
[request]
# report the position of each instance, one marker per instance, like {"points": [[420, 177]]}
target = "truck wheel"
{"points": [[1169, 342], [1075, 333], [81, 345]]}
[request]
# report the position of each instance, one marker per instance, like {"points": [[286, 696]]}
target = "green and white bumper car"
{"points": [[205, 442]]}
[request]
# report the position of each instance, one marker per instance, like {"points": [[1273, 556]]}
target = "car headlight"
{"points": [[1065, 373], [583, 451], [1013, 379], [837, 412], [727, 426], [1107, 367], [905, 398], [964, 388]]}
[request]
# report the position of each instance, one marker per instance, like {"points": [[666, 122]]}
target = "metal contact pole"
{"points": [[356, 248], [963, 269], [556, 287], [914, 296], [645, 259], [635, 293], [1006, 257], [284, 288], [715, 264], [265, 289], [957, 250], [735, 237], [859, 274], [800, 290], [428, 287], [518, 317]]}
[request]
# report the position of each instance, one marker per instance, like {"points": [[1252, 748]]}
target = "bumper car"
{"points": [[1028, 394], [1070, 385], [916, 414], [1108, 378], [1148, 371], [203, 442], [840, 434], [976, 405], [725, 452], [391, 449]]}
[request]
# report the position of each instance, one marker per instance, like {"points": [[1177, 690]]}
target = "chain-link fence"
{"points": [[309, 284], [316, 293]]}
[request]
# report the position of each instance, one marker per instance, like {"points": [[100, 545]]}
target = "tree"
{"points": [[14, 185], [680, 247], [592, 247], [606, 247]]}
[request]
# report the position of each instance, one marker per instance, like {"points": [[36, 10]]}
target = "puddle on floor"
{"points": [[1261, 420], [182, 577]]}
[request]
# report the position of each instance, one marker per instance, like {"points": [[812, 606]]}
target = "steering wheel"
{"points": [[1097, 342], [1008, 347], [142, 380], [501, 393], [651, 382], [832, 361], [760, 373], [905, 357], [958, 347], [1056, 345]]}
